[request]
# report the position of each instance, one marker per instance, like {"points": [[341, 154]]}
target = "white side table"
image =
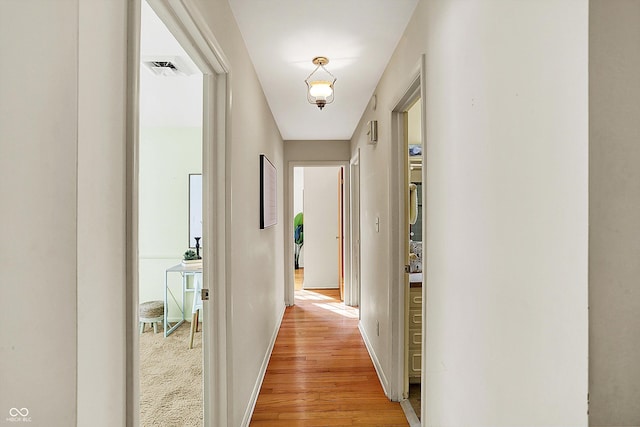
{"points": [[185, 271]]}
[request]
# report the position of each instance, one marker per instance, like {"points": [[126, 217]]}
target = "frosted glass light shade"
{"points": [[320, 89]]}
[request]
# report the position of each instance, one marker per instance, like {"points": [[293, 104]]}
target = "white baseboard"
{"points": [[326, 286], [263, 370], [374, 359]]}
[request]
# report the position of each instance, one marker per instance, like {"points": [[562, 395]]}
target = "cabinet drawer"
{"points": [[415, 318], [415, 297], [415, 360], [415, 339]]}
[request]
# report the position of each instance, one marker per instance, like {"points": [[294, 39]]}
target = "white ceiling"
{"points": [[283, 36], [166, 101]]}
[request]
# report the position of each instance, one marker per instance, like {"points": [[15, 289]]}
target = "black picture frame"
{"points": [[268, 193]]}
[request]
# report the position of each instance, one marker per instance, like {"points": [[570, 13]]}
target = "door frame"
{"points": [[184, 21], [354, 223], [415, 87], [289, 291]]}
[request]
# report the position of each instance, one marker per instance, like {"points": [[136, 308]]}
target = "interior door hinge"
{"points": [[204, 294]]}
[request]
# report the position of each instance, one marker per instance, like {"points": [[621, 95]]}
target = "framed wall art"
{"points": [[195, 208], [268, 193]]}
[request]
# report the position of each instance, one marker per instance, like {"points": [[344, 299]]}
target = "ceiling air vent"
{"points": [[168, 66]]}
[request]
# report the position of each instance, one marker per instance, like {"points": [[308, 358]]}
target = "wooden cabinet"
{"points": [[415, 333]]}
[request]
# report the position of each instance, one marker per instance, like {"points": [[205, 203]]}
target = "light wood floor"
{"points": [[320, 373], [298, 276]]}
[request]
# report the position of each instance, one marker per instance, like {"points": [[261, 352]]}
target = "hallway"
{"points": [[320, 373]]}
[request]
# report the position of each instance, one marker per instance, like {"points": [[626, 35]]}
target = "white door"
{"points": [[320, 227]]}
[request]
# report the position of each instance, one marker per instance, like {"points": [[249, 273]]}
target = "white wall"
{"points": [[167, 157], [67, 213], [298, 190], [321, 227], [506, 252], [332, 150], [614, 203], [101, 370], [38, 248], [257, 265], [414, 124], [67, 151]]}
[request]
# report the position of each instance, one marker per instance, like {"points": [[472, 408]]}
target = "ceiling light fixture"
{"points": [[320, 87]]}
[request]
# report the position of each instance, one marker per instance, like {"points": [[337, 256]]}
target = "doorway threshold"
{"points": [[412, 418]]}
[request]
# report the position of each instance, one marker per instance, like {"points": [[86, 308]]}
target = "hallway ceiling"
{"points": [[283, 36]]}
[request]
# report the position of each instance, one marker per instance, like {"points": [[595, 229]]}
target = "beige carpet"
{"points": [[170, 378]]}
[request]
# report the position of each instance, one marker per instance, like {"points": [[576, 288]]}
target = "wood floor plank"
{"points": [[320, 373]]}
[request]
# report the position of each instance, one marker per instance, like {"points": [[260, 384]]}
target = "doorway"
{"points": [[169, 228], [186, 25], [318, 227], [318, 197], [409, 246], [413, 256]]}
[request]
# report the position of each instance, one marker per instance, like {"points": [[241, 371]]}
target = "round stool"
{"points": [[151, 312]]}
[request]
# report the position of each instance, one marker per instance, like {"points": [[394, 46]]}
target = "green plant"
{"points": [[298, 237], [190, 255]]}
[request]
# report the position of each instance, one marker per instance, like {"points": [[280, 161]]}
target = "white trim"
{"points": [[396, 241], [376, 363], [354, 225], [346, 233], [425, 233], [396, 260], [246, 419], [355, 160], [131, 291], [325, 286]]}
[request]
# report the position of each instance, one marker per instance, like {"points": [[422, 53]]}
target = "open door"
{"points": [[407, 263]]}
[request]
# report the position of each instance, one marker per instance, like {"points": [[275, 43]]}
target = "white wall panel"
{"points": [[257, 263], [167, 157], [506, 215], [101, 212], [38, 178]]}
